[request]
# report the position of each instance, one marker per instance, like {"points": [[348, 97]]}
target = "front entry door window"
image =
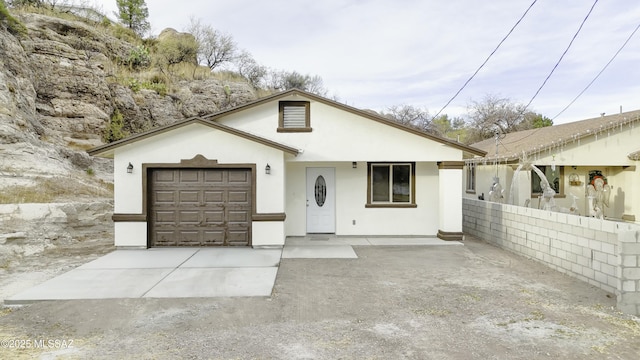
{"points": [[321, 217]]}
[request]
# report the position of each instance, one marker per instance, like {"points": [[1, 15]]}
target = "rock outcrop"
{"points": [[58, 92], [59, 89]]}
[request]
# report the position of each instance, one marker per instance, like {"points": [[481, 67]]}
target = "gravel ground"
{"points": [[438, 302]]}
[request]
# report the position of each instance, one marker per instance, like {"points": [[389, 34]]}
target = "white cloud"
{"points": [[378, 53]]}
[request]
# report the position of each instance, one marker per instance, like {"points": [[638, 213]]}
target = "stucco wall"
{"points": [[339, 135], [586, 248], [351, 197], [185, 143]]}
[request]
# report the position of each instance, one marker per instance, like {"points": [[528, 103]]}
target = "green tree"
{"points": [[134, 15], [540, 120], [455, 128]]}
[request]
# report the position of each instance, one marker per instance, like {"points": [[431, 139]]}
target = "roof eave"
{"points": [[108, 149]]}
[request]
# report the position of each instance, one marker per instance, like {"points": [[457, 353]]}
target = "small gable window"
{"points": [[294, 116]]}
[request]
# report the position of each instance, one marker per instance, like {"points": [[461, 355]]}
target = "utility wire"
{"points": [[524, 109], [600, 73], [561, 57], [486, 60]]}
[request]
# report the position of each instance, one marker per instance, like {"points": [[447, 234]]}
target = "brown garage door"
{"points": [[200, 207]]}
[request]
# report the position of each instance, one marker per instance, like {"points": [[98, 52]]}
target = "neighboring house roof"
{"points": [[514, 145], [107, 149], [210, 120], [364, 113]]}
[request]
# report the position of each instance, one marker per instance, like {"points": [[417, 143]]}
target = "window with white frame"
{"points": [[391, 184]]}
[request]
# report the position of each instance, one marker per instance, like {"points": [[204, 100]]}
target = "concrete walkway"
{"points": [[196, 272]]}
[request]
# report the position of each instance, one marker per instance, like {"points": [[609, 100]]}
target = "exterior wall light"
{"points": [[267, 169], [354, 165], [130, 168]]}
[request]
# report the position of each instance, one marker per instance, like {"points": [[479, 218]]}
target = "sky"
{"points": [[373, 54]]}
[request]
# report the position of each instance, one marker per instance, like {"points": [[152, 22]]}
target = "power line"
{"points": [[486, 60], [561, 57], [524, 109], [600, 73]]}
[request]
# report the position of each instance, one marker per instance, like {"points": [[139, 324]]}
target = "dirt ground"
{"points": [[436, 302]]}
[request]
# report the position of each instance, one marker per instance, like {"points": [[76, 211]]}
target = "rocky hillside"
{"points": [[62, 81], [60, 86]]}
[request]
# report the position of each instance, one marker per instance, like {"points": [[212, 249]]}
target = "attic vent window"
{"points": [[294, 116]]}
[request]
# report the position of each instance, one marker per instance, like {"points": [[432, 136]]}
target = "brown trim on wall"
{"points": [[129, 217], [307, 116], [450, 236], [391, 205], [199, 162], [456, 165], [269, 217], [292, 130], [411, 204]]}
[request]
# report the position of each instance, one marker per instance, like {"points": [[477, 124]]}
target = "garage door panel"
{"points": [[213, 196], [166, 197], [165, 217], [200, 207], [213, 217], [213, 177], [163, 177], [189, 176], [189, 197], [239, 197], [188, 238], [238, 237], [239, 176], [239, 216], [188, 218], [165, 237], [214, 237]]}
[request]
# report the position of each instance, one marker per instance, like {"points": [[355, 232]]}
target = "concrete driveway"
{"points": [[391, 302], [164, 273], [195, 272]]}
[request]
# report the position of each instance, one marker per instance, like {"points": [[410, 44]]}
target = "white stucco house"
{"points": [[571, 156], [290, 164]]}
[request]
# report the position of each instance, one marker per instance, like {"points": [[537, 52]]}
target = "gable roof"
{"points": [[107, 149], [513, 145], [210, 120], [363, 113]]}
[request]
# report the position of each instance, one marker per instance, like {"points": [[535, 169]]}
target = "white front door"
{"points": [[321, 203]]}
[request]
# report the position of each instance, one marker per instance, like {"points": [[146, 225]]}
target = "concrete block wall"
{"points": [[586, 248], [628, 295]]}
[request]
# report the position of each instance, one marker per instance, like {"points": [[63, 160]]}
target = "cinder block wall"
{"points": [[628, 294], [589, 249]]}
